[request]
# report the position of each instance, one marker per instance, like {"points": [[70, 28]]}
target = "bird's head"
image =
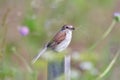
{"points": [[69, 27]]}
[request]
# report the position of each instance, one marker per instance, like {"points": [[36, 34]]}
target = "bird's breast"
{"points": [[64, 44]]}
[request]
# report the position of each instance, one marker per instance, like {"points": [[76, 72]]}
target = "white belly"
{"points": [[64, 44]]}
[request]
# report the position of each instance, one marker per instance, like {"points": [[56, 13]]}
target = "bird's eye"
{"points": [[66, 27]]}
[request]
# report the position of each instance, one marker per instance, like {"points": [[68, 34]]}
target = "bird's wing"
{"points": [[60, 36]]}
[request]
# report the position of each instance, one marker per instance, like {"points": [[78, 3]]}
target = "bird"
{"points": [[59, 42]]}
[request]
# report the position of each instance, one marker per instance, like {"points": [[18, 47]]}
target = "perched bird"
{"points": [[59, 42]]}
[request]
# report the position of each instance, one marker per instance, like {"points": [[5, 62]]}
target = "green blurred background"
{"points": [[44, 18]]}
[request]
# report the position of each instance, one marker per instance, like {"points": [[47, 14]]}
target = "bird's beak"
{"points": [[72, 28]]}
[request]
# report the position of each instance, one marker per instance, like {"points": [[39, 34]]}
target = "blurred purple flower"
{"points": [[24, 31], [117, 16]]}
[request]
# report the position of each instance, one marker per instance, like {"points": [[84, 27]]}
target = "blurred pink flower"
{"points": [[23, 30]]}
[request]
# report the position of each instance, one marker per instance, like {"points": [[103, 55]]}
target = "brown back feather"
{"points": [[60, 36]]}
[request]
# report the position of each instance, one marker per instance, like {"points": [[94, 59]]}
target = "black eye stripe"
{"points": [[66, 27]]}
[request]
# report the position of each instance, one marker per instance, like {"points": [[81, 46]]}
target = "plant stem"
{"points": [[26, 64], [104, 35], [3, 45], [109, 66]]}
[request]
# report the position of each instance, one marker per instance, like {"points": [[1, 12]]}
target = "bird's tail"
{"points": [[39, 54]]}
